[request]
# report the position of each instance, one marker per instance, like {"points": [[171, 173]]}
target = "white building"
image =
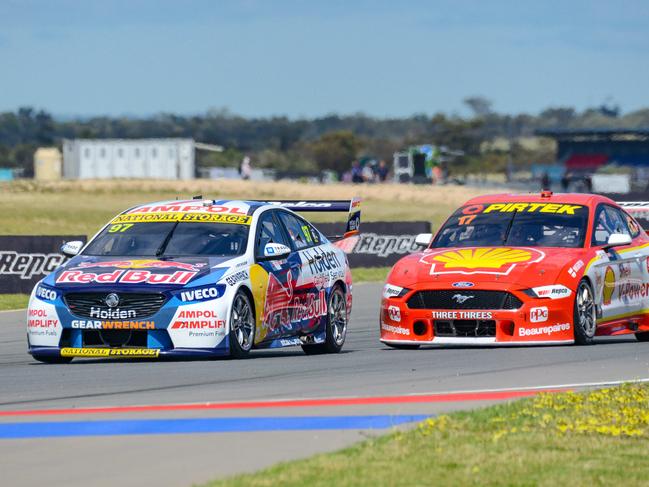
{"points": [[128, 158]]}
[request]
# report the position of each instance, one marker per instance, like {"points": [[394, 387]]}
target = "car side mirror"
{"points": [[423, 239], [617, 239], [273, 251], [72, 248]]}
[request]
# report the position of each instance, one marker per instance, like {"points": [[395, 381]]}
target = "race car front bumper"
{"points": [[537, 321]]}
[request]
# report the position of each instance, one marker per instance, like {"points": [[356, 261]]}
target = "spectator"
{"points": [[368, 173], [545, 181], [357, 172], [565, 182], [246, 168], [382, 171]]}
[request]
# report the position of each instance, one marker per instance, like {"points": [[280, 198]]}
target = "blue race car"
{"points": [[197, 278]]}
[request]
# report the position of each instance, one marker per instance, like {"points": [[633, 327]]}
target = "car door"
{"points": [[276, 315], [619, 270], [310, 299]]}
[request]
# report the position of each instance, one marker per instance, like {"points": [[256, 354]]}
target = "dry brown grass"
{"points": [[31, 207], [251, 189]]}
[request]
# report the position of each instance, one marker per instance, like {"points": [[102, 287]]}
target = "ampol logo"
{"points": [[539, 315], [480, 260]]}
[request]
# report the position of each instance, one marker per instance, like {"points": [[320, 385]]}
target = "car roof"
{"points": [[542, 197]]}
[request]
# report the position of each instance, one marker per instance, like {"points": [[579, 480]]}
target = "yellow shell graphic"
{"points": [[609, 285], [259, 281], [482, 258]]}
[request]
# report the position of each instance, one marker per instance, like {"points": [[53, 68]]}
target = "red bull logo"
{"points": [[125, 277]]}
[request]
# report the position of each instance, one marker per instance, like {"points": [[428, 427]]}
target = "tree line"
{"points": [[330, 142]]}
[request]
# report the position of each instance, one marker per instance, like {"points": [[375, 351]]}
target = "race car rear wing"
{"points": [[638, 210], [351, 207]]}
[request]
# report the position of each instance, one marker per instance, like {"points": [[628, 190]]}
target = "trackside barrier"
{"points": [[26, 259], [380, 244]]}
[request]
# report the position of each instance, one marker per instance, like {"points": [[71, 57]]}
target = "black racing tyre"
{"points": [[336, 328], [242, 326], [642, 337], [49, 359], [584, 316], [403, 346]]}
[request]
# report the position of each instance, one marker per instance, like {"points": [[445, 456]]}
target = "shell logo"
{"points": [[485, 260], [609, 285]]}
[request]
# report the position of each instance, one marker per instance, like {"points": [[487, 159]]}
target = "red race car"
{"points": [[522, 270]]}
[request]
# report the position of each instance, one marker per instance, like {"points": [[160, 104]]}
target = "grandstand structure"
{"points": [[588, 150]]}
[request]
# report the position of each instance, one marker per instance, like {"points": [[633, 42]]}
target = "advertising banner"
{"points": [[380, 244], [26, 259]]}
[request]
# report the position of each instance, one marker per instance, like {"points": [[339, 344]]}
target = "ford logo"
{"points": [[463, 284]]}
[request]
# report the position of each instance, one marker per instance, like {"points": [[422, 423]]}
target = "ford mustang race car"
{"points": [[197, 278], [522, 270]]}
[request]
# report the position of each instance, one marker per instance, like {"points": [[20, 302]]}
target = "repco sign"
{"points": [[380, 244], [25, 260]]}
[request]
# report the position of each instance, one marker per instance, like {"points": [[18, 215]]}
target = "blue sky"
{"points": [[310, 58]]}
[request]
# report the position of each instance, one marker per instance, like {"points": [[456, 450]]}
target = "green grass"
{"points": [[595, 438], [369, 274], [13, 301]]}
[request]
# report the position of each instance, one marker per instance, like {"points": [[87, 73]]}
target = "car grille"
{"points": [[142, 304], [465, 328], [453, 299], [114, 338]]}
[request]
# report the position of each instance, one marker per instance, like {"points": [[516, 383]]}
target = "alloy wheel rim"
{"points": [[338, 317], [586, 310], [242, 322]]}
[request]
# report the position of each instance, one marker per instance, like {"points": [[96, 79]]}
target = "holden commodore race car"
{"points": [[197, 278], [522, 270]]}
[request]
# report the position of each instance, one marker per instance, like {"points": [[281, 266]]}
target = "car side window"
{"points": [[301, 232], [268, 231], [634, 227], [608, 221], [619, 222]]}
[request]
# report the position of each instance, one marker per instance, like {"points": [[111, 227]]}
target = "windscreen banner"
{"points": [[26, 259], [380, 244]]}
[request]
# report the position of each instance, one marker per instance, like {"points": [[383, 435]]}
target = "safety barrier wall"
{"points": [[380, 244], [26, 259]]}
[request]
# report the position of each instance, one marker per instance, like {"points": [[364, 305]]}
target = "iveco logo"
{"points": [[461, 298], [112, 300]]}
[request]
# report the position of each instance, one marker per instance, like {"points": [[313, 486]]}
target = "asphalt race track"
{"points": [[181, 422]]}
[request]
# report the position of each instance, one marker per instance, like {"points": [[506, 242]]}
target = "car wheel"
{"points": [[585, 320], [49, 359], [403, 346], [242, 326], [336, 329], [642, 337]]}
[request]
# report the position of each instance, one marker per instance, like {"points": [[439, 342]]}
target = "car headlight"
{"points": [[392, 291], [554, 291]]}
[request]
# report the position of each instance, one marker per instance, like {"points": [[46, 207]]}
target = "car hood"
{"points": [[516, 267], [135, 273]]}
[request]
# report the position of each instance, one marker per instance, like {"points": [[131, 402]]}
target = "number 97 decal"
{"points": [[119, 227]]}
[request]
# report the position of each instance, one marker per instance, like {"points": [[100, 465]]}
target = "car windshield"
{"points": [[164, 239], [515, 225]]}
